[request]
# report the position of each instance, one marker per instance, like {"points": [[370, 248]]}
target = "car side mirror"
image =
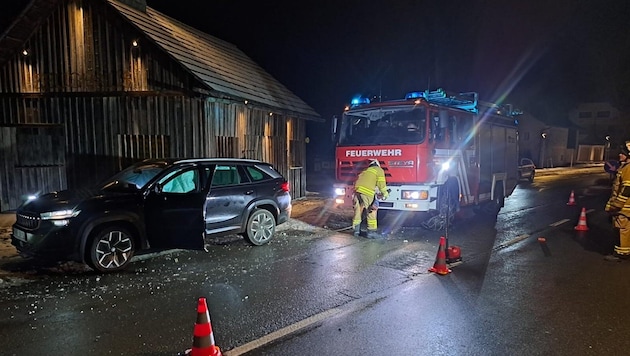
{"points": [[157, 188]]}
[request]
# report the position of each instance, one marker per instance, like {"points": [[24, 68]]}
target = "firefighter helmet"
{"points": [[373, 162]]}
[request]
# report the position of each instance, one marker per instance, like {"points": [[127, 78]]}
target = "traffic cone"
{"points": [[571, 199], [203, 340], [439, 266], [581, 226]]}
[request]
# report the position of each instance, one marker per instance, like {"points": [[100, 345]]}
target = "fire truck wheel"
{"points": [[491, 208], [498, 201]]}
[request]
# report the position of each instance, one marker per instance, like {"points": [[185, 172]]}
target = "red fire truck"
{"points": [[439, 152]]}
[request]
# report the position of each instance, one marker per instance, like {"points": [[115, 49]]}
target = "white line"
{"points": [[252, 345], [590, 211], [559, 222], [511, 242]]}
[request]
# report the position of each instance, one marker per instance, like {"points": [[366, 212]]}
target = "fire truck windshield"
{"points": [[372, 126]]}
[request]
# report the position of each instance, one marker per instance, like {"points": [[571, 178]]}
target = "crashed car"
{"points": [[158, 204]]}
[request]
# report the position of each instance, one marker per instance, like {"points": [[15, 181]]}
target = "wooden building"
{"points": [[90, 86]]}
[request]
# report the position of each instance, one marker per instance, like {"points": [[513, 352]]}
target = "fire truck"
{"points": [[440, 152]]}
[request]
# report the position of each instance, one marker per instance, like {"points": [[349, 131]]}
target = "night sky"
{"points": [[541, 56]]}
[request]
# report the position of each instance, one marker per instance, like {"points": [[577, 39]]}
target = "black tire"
{"points": [[448, 205], [491, 208], [261, 227], [498, 202], [531, 177], [111, 249]]}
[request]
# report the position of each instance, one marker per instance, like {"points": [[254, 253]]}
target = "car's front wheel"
{"points": [[111, 249], [261, 226]]}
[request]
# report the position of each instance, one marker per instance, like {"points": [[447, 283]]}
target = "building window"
{"points": [[585, 114], [603, 114]]}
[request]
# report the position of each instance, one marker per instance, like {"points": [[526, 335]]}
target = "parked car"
{"points": [[158, 203], [527, 169]]}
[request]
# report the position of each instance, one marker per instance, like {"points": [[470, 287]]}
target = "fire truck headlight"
{"points": [[415, 194], [446, 165], [340, 191]]}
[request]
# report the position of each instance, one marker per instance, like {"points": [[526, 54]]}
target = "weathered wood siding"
{"points": [[90, 96]]}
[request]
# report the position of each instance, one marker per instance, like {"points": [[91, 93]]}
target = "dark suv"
{"points": [[158, 203]]}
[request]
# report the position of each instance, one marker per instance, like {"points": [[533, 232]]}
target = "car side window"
{"points": [[181, 182], [256, 174], [225, 175]]}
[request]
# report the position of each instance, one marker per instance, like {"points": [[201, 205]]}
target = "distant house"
{"points": [[89, 86], [546, 145], [602, 129]]}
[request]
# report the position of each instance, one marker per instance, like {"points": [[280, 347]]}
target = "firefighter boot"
{"points": [[357, 230], [373, 234]]}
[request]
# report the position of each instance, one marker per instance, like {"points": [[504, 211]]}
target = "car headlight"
{"points": [[59, 214]]}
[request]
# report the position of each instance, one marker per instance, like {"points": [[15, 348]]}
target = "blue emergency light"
{"points": [[359, 100]]}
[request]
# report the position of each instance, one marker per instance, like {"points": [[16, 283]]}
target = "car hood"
{"points": [[70, 199]]}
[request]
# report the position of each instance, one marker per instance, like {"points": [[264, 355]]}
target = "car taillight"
{"points": [[285, 186]]}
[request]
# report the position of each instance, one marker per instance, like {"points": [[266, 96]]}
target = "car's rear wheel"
{"points": [[261, 226], [111, 249], [531, 176]]}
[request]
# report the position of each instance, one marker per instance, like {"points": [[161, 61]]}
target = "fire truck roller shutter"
{"points": [[443, 119]]}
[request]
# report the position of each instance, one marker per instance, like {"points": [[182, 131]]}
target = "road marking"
{"points": [[559, 222], [511, 242], [252, 345]]}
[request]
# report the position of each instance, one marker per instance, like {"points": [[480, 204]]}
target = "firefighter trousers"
{"points": [[622, 223], [363, 202]]}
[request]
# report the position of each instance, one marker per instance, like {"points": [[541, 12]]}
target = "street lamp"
{"points": [[543, 147]]}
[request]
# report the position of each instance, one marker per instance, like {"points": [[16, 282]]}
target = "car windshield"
{"points": [[135, 177]]}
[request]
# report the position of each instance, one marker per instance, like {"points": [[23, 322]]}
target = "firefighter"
{"points": [[619, 206], [372, 178]]}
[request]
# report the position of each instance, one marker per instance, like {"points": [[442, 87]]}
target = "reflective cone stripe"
{"points": [[439, 266], [203, 340], [581, 226], [571, 199]]}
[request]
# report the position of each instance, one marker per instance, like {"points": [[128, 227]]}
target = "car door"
{"points": [[228, 200], [174, 210]]}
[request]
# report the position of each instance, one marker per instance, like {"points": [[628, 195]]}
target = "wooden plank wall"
{"points": [[116, 103]]}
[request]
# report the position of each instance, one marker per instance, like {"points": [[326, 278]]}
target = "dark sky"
{"points": [[541, 56]]}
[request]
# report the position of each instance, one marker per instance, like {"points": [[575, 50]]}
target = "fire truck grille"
{"points": [[349, 170]]}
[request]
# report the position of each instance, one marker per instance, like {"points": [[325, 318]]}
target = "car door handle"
{"points": [[249, 192]]}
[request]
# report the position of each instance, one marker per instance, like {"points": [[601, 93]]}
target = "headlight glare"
{"points": [[415, 194], [59, 214]]}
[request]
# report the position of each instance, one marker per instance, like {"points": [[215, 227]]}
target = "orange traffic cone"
{"points": [[571, 199], [581, 226], [439, 266], [203, 340]]}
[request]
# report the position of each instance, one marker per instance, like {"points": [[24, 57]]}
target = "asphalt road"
{"points": [[313, 293]]}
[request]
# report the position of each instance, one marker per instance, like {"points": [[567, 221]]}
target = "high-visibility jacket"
{"points": [[369, 179], [619, 202]]}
